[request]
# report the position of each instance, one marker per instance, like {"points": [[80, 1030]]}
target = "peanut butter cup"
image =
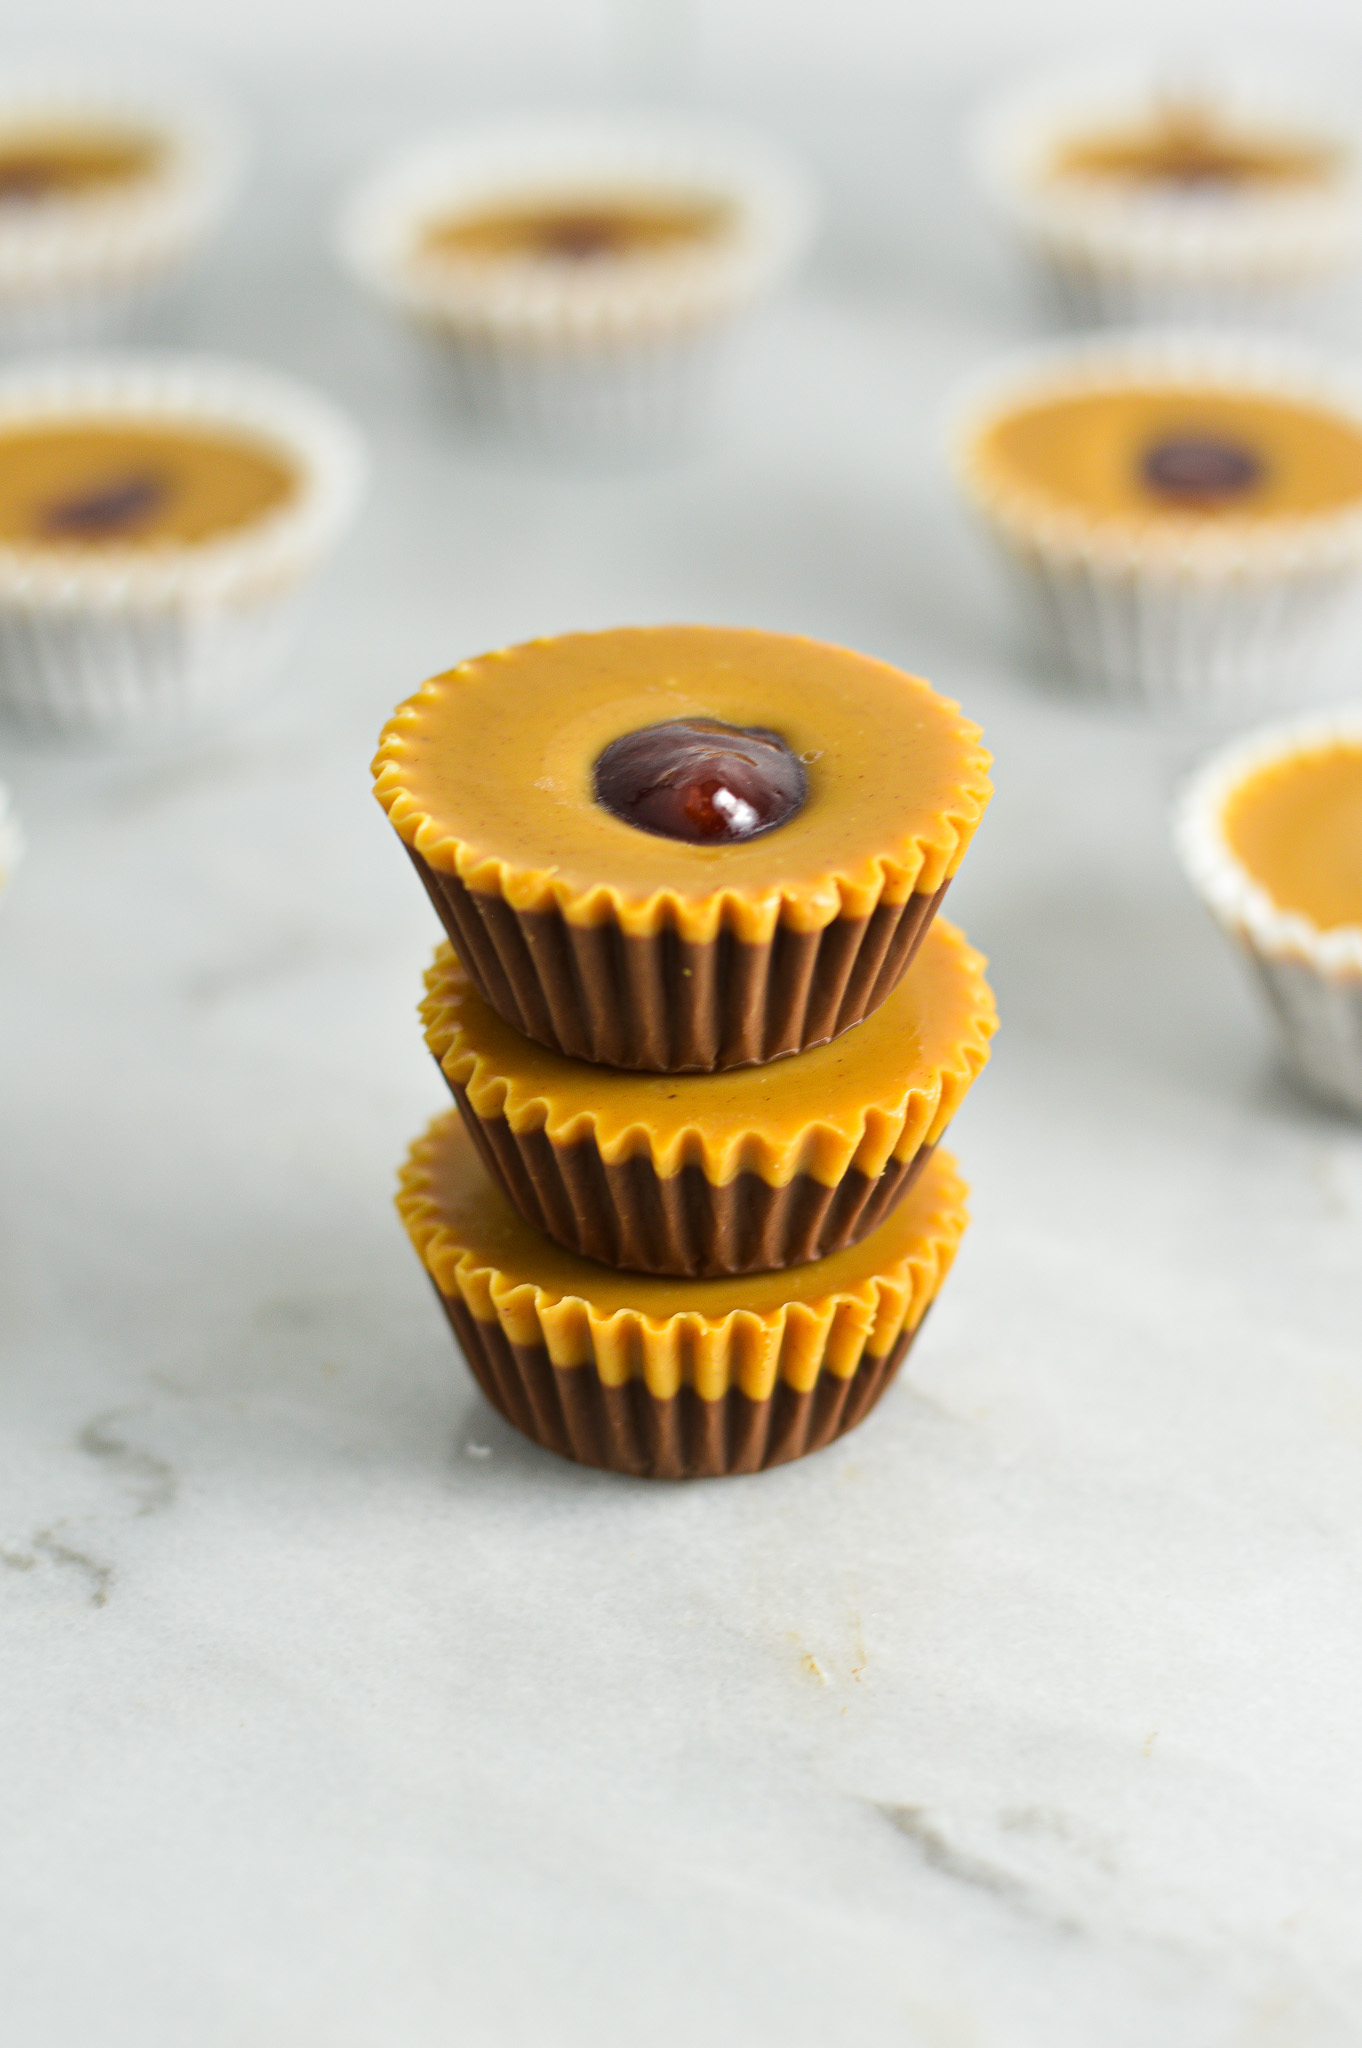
{"points": [[612, 939], [668, 1379], [709, 1174]]}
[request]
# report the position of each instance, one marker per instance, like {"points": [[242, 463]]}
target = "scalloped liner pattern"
{"points": [[816, 1148], [630, 1218], [922, 865], [796, 1341], [667, 1004], [626, 1429]]}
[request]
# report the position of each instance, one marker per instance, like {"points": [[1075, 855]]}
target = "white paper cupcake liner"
{"points": [[1124, 256], [593, 356], [11, 840], [1217, 621], [73, 268], [105, 641], [1312, 979]]}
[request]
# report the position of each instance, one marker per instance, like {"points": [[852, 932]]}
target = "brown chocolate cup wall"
{"points": [[629, 1217], [667, 1005], [627, 1429]]}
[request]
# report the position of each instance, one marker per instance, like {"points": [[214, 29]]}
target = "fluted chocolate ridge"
{"points": [[637, 1220], [627, 1429], [663, 1004]]}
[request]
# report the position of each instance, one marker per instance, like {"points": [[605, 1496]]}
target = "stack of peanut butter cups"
{"points": [[703, 1030]]}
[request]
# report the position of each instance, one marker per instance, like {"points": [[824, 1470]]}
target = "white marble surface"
{"points": [[332, 1713]]}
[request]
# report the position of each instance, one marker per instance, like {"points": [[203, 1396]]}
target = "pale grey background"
{"points": [[334, 1715]]}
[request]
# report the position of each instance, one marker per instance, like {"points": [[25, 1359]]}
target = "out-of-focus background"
{"points": [[332, 1713]]}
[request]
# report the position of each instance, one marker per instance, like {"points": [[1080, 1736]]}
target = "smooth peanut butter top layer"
{"points": [[877, 1093], [1296, 827], [710, 1334], [43, 160], [1191, 147], [1133, 455], [586, 227], [488, 773], [92, 483]]}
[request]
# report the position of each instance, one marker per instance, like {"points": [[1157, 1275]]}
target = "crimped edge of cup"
{"points": [[1267, 239], [775, 216], [1234, 898], [880, 1134], [748, 1349], [310, 433], [1211, 552]]}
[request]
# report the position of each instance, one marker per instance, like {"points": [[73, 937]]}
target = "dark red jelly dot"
{"points": [[582, 236], [698, 779], [1198, 469], [107, 511]]}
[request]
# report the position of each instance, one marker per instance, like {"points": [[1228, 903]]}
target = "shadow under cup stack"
{"points": [[703, 1030]]}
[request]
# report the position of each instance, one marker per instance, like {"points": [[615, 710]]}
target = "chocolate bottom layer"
{"points": [[627, 1429], [630, 1217], [665, 1004]]}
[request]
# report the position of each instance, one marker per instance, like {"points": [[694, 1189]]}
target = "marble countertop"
{"points": [[333, 1713]]}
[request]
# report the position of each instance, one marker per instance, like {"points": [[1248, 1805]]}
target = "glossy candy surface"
{"points": [[701, 780]]}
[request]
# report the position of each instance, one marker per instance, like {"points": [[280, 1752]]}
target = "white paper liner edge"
{"points": [[1312, 979]]}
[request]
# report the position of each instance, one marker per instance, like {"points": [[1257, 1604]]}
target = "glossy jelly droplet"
{"points": [[1199, 469], [701, 780], [580, 237], [107, 511]]}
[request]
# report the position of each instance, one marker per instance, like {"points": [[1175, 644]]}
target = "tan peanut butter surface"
{"points": [[488, 773], [878, 1092], [586, 227], [1092, 451], [93, 483], [1190, 146], [69, 161], [1296, 827]]}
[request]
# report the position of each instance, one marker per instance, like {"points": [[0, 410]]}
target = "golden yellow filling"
{"points": [[709, 1334], [89, 484], [45, 162], [488, 772], [1189, 146], [1296, 826], [587, 228], [878, 1092], [1098, 452]]}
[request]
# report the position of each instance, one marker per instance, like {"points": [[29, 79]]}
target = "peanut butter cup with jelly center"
{"points": [[1190, 148], [89, 483], [1137, 453], [642, 949], [585, 229], [44, 162]]}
